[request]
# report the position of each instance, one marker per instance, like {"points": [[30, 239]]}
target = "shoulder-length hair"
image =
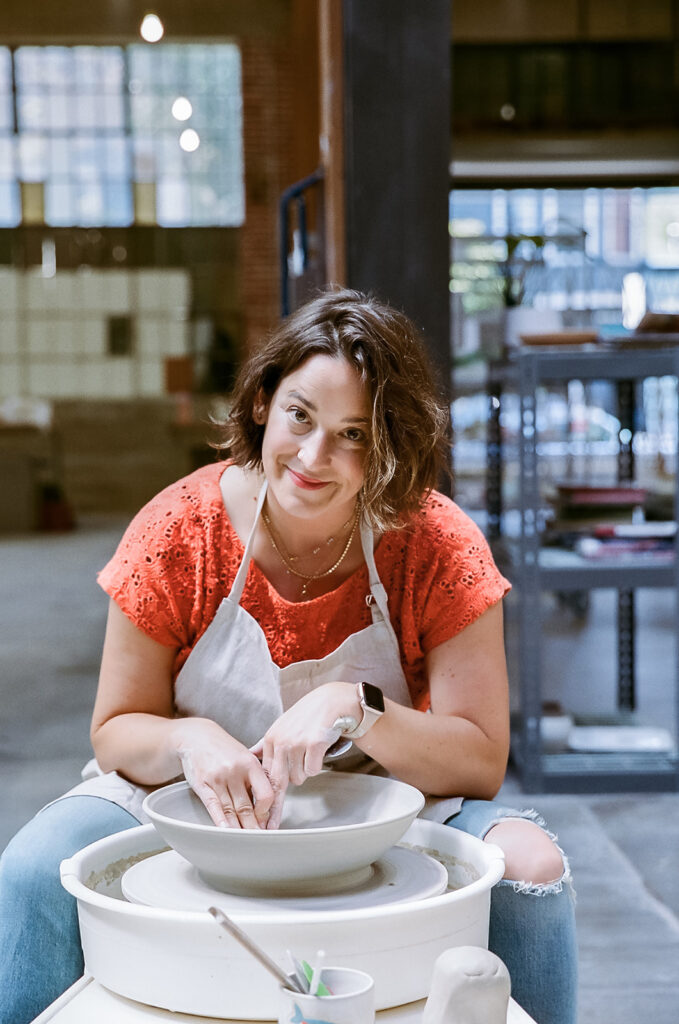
{"points": [[407, 448]]}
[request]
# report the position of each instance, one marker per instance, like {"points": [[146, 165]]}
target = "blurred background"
{"points": [[151, 230]]}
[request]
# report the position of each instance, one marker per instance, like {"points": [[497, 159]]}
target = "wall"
{"points": [[567, 21], [114, 456], [54, 332]]}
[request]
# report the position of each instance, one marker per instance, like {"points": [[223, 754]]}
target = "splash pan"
{"points": [[168, 880], [181, 960]]}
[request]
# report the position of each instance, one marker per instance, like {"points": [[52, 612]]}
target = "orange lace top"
{"points": [[180, 555]]}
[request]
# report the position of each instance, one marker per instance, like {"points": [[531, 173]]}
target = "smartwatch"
{"points": [[371, 699]]}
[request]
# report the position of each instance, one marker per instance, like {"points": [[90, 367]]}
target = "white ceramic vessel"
{"points": [[183, 961], [333, 827]]}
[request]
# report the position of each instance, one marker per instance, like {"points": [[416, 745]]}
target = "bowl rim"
{"points": [[209, 829]]}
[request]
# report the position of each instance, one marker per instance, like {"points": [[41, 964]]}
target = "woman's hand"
{"points": [[227, 777], [293, 748], [134, 732]]}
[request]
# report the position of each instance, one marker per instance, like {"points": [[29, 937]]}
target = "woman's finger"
{"points": [[279, 778], [279, 767], [296, 772], [263, 797], [263, 751], [252, 799], [242, 807], [313, 759], [219, 806]]}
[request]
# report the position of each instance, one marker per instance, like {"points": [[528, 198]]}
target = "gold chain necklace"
{"points": [[309, 577], [315, 551]]}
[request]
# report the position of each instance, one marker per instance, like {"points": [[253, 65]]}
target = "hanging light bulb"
{"points": [[189, 140], [151, 28], [182, 109]]}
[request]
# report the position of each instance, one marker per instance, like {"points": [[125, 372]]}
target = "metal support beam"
{"points": [[396, 153]]}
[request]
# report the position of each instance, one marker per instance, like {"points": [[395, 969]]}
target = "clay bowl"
{"points": [[333, 828]]}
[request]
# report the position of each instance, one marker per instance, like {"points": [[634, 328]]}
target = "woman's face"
{"points": [[316, 438]]}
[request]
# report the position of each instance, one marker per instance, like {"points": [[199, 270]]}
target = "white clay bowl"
{"points": [[183, 961], [333, 827]]}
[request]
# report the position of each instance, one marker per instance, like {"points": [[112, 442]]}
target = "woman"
{"points": [[251, 602]]}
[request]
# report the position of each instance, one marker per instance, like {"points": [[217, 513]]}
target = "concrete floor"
{"points": [[624, 849]]}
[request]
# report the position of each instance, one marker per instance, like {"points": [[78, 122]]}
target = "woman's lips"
{"points": [[305, 482]]}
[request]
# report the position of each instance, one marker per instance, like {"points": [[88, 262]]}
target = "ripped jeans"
{"points": [[39, 934], [532, 927]]}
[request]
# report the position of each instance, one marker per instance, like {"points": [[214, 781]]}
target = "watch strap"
{"points": [[370, 716]]}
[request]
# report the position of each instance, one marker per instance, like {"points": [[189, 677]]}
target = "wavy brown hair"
{"points": [[408, 447]]}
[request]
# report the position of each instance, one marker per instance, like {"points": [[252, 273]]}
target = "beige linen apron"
{"points": [[231, 678]]}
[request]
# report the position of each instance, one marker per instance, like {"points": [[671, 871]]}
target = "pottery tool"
{"points": [[322, 989], [265, 960], [298, 970], [316, 986]]}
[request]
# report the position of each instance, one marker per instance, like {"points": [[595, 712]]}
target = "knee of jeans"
{"points": [[542, 863], [535, 863]]}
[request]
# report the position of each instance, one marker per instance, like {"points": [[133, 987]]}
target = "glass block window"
{"points": [[176, 89], [90, 122], [6, 101], [10, 200]]}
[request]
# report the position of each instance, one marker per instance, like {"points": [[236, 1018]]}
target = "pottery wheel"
{"points": [[169, 881]]}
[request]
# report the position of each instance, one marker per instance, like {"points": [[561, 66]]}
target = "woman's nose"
{"points": [[315, 451]]}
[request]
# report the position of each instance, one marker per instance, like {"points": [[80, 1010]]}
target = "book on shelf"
{"points": [[653, 530], [582, 507], [650, 549], [597, 536], [568, 336], [583, 495], [605, 520], [598, 520]]}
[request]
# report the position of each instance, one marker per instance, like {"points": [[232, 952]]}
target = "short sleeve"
{"points": [[463, 580], [154, 575]]}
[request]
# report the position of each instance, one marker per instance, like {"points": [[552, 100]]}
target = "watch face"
{"points": [[373, 697]]}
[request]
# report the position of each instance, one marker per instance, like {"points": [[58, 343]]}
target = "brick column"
{"points": [[267, 131]]}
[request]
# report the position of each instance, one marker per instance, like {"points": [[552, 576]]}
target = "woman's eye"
{"points": [[355, 435], [297, 415]]}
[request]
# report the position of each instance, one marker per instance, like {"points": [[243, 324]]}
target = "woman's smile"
{"points": [[306, 482]]}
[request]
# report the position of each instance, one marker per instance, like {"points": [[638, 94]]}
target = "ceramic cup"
{"points": [[352, 1000]]}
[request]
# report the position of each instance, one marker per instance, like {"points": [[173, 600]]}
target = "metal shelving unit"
{"points": [[539, 569]]}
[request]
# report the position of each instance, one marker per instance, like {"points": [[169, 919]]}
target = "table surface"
{"points": [[88, 1001]]}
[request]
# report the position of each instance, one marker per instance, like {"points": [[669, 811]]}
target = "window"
{"points": [[588, 240], [10, 203], [203, 186], [98, 127]]}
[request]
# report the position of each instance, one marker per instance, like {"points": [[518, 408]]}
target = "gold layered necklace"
{"points": [[287, 559]]}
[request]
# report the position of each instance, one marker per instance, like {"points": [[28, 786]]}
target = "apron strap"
{"points": [[379, 607], [236, 591]]}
